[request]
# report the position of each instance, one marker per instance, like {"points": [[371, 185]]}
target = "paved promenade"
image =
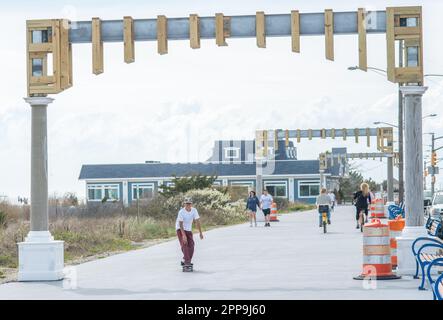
{"points": [[292, 259]]}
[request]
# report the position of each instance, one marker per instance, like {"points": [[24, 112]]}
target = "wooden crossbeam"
{"points": [[220, 30], [97, 47], [162, 34], [362, 47], [260, 29], [128, 39], [295, 31], [329, 34], [194, 31], [390, 43]]}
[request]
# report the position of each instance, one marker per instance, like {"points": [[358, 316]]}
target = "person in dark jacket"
{"points": [[251, 207], [362, 199]]}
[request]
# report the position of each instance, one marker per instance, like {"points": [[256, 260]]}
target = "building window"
{"points": [[232, 153], [308, 189], [277, 189], [142, 191], [248, 184], [98, 192]]}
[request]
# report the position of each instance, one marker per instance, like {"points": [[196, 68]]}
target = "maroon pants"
{"points": [[187, 249]]}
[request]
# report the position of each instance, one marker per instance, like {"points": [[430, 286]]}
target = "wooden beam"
{"points": [[260, 29], [368, 137], [65, 56], [333, 133], [344, 133], [194, 31], [295, 31], [128, 38], [356, 134], [362, 43], [97, 47], [329, 34], [310, 134], [298, 135], [162, 35], [390, 43], [220, 30]]}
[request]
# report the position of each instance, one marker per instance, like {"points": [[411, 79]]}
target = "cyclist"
{"points": [[323, 200], [361, 199]]}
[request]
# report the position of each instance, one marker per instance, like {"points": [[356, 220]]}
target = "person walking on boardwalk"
{"points": [[265, 204], [186, 216], [323, 200], [331, 195], [251, 206], [362, 198]]}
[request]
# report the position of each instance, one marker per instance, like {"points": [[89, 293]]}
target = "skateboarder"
{"points": [[265, 204], [186, 216]]}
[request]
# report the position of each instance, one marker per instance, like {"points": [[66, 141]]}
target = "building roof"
{"points": [[163, 170]]}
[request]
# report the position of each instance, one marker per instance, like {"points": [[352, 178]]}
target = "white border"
{"points": [[144, 186], [277, 183], [307, 182]]}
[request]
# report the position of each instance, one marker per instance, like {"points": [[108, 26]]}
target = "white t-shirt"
{"points": [[266, 201], [332, 196], [187, 217]]}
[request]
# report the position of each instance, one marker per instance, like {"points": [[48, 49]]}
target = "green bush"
{"points": [[3, 222], [282, 203], [187, 183]]}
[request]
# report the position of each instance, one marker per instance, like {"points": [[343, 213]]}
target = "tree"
{"points": [[186, 183], [349, 185]]}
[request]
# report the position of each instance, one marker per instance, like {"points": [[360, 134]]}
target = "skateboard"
{"points": [[188, 268]]}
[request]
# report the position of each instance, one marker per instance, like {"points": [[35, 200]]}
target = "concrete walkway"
{"points": [[292, 259]]}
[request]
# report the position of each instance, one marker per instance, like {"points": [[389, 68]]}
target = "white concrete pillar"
{"points": [[390, 179], [40, 257], [125, 199], [413, 160], [291, 189]]}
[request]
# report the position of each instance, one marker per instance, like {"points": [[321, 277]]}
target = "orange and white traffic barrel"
{"points": [[396, 226], [376, 252], [372, 208], [274, 212], [379, 209]]}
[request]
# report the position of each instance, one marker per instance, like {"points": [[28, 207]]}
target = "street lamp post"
{"points": [[433, 161]]}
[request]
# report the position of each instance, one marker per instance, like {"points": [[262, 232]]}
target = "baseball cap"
{"points": [[188, 200]]}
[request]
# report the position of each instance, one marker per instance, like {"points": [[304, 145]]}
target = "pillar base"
{"points": [[41, 258], [406, 260]]}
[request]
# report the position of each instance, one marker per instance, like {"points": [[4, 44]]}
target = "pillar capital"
{"points": [[413, 90], [38, 101]]}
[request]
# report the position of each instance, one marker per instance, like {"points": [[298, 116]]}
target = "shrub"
{"points": [[187, 183], [282, 203], [3, 222]]}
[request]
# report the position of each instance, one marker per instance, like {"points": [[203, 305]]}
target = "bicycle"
{"points": [[361, 219], [324, 210]]}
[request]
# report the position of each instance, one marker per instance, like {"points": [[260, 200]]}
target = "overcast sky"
{"points": [[151, 109]]}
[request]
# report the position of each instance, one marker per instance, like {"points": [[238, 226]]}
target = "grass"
{"points": [[297, 206]]}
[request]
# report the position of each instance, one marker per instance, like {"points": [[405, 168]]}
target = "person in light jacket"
{"points": [[323, 200]]}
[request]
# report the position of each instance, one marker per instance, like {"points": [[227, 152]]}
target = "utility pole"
{"points": [[434, 161], [424, 175], [401, 187]]}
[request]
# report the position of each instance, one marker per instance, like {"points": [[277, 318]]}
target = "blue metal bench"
{"points": [[435, 227], [424, 259], [436, 285], [394, 211]]}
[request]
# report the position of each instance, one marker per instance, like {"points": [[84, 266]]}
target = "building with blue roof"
{"points": [[233, 162]]}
